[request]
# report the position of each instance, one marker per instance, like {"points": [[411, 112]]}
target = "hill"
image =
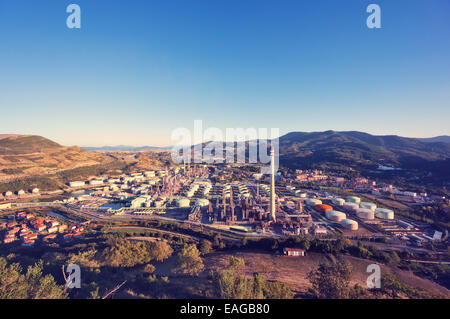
{"points": [[127, 148], [442, 138], [26, 155], [294, 270]]}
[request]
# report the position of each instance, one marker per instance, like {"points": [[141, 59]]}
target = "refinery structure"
{"points": [[221, 196]]}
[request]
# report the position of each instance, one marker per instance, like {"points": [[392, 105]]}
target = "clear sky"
{"points": [[136, 70]]}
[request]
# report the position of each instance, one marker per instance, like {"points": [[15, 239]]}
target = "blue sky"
{"points": [[136, 70]]}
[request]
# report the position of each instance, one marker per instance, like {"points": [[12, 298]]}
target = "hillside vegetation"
{"points": [[359, 150], [26, 155]]}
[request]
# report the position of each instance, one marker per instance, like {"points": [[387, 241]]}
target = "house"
{"points": [[52, 230], [50, 237], [293, 252]]}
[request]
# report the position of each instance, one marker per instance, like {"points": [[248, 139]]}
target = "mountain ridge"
{"points": [[24, 155]]}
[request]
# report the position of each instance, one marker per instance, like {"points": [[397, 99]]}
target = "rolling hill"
{"points": [[359, 150], [353, 153], [25, 155], [442, 138]]}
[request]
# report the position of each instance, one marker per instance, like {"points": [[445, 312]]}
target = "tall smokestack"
{"points": [[272, 185]]}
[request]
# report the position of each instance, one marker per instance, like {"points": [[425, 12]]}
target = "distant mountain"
{"points": [[354, 153], [358, 150], [22, 155], [442, 138]]}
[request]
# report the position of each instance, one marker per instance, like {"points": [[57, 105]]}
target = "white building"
{"points": [[77, 184]]}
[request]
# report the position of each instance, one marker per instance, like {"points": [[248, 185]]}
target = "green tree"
{"points": [[231, 283], [127, 253], [331, 281], [31, 285], [161, 250], [206, 247]]}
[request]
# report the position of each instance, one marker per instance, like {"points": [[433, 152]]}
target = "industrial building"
{"points": [[5, 205], [293, 252], [77, 184]]}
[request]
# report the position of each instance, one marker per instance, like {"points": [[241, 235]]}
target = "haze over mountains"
{"points": [[329, 150]]}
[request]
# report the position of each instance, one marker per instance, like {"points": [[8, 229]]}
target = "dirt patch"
{"points": [[294, 270]]}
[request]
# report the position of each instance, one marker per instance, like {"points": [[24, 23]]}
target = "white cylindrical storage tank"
{"points": [[353, 199], [370, 206], [365, 213], [335, 215], [298, 193], [313, 201], [349, 224], [351, 206], [183, 202], [190, 194], [338, 201], [202, 202], [384, 213]]}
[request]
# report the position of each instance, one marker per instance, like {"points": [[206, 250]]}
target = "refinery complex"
{"points": [[273, 205]]}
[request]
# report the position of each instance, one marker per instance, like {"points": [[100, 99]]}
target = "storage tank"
{"points": [[351, 206], [365, 213], [349, 224], [183, 202], [353, 199], [368, 205], [338, 201], [335, 215], [190, 193], [322, 208], [384, 213], [298, 193], [313, 201]]}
